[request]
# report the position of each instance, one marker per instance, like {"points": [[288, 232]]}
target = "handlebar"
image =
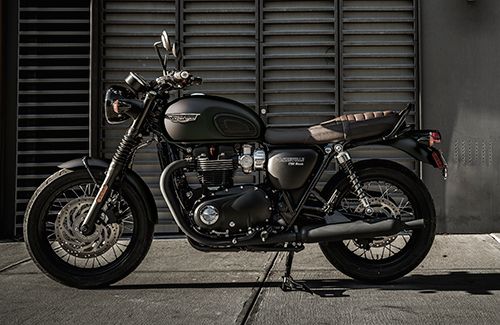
{"points": [[177, 80]]}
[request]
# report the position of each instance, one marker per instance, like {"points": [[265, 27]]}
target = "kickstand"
{"points": [[289, 284]]}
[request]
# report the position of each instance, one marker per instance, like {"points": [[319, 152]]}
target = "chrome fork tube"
{"points": [[121, 159]]}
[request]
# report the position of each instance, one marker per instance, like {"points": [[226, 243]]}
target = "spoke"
{"points": [[57, 249], [104, 258], [357, 249], [97, 260], [371, 253], [77, 196], [390, 250]]}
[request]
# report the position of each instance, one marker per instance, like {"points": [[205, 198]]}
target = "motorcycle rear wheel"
{"points": [[355, 258], [116, 248]]}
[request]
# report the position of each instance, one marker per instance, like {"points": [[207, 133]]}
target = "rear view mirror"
{"points": [[165, 41], [175, 50]]}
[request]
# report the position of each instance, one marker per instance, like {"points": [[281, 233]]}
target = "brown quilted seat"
{"points": [[344, 127]]}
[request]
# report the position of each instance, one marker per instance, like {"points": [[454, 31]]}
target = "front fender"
{"points": [[130, 176]]}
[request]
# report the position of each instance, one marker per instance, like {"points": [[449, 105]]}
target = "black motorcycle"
{"points": [[91, 223]]}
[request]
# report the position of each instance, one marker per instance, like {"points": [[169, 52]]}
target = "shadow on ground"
{"points": [[472, 283]]}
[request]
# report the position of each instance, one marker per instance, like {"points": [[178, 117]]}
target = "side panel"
{"points": [[289, 169]]}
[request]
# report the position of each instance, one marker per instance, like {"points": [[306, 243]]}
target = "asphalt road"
{"points": [[458, 283]]}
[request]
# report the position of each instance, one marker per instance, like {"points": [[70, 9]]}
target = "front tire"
{"points": [[116, 248], [355, 258]]}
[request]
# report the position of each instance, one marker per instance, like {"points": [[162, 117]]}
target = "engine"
{"points": [[222, 207]]}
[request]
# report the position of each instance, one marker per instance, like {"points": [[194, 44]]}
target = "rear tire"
{"points": [[415, 250], [42, 251]]}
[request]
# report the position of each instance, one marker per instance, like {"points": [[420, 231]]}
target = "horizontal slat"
{"points": [[46, 139]]}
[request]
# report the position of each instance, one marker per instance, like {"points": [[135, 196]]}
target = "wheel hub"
{"points": [[69, 236], [384, 208]]}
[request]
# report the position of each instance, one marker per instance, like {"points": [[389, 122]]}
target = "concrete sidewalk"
{"points": [[458, 283]]}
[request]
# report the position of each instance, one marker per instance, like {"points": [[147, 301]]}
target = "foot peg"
{"points": [[289, 284]]}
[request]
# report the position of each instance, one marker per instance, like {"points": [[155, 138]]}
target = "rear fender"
{"points": [[130, 176], [411, 143]]}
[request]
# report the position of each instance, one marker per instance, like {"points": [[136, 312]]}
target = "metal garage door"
{"points": [[379, 62], [53, 91], [295, 62], [128, 31]]}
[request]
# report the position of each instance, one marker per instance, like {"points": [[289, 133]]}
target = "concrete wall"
{"points": [[460, 42]]}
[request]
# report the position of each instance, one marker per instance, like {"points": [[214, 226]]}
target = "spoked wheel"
{"points": [[120, 241], [394, 192]]}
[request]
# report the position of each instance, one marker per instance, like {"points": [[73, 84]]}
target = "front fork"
{"points": [[120, 161], [345, 162]]}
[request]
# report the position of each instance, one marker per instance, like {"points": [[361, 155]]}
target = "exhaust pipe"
{"points": [[339, 231], [352, 230]]}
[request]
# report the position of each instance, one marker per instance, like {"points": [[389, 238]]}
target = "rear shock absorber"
{"points": [[345, 162]]}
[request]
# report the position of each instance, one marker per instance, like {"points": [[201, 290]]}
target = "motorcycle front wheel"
{"points": [[394, 192], [119, 243]]}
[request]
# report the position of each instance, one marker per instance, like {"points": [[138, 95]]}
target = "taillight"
{"points": [[434, 137], [429, 138]]}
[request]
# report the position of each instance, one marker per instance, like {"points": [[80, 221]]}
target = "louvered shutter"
{"points": [[219, 40], [298, 61], [128, 31], [53, 90], [379, 62]]}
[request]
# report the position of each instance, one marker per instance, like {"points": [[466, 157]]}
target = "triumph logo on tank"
{"points": [[293, 161], [182, 117]]}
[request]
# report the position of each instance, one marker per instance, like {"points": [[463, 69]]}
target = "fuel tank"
{"points": [[202, 118]]}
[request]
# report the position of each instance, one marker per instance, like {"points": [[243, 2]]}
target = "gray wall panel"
{"points": [[461, 92]]}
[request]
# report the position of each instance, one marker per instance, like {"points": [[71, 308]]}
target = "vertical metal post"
{"points": [[418, 72], [339, 94], [94, 79], [8, 170], [258, 55], [179, 33], [260, 60]]}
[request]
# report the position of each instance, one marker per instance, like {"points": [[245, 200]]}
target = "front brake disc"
{"points": [[67, 230]]}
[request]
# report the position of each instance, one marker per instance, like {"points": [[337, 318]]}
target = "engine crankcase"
{"points": [[233, 210]]}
